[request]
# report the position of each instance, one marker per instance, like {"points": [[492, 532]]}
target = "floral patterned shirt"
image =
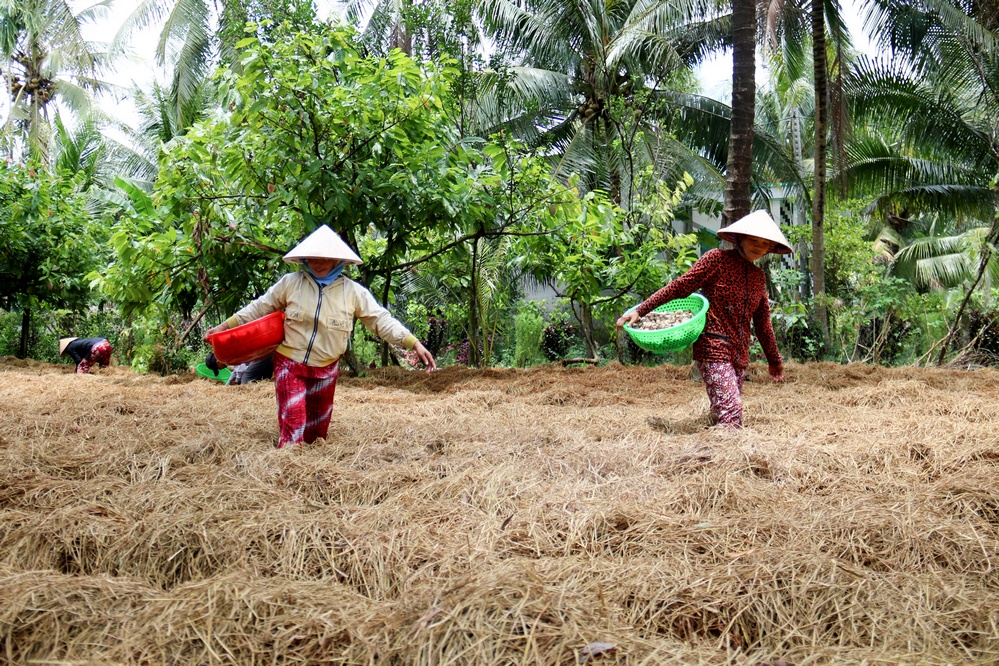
{"points": [[737, 293]]}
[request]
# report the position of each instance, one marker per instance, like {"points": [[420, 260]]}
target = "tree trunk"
{"points": [[586, 321], [350, 356], [385, 299], [473, 309], [983, 264], [22, 350], [740, 143], [799, 209], [819, 199]]}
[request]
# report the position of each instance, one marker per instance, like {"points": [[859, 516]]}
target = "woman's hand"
{"points": [[425, 356], [629, 318], [216, 329], [776, 372]]}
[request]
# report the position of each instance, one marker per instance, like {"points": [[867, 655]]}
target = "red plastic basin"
{"points": [[249, 342]]}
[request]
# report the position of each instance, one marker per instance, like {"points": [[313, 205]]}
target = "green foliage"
{"points": [[417, 319], [606, 88], [983, 329], [317, 133], [336, 138], [868, 308], [160, 360], [598, 246], [273, 17], [50, 242], [43, 337], [529, 327], [148, 345], [798, 334], [851, 259], [926, 140], [870, 325], [325, 135], [560, 336], [365, 345]]}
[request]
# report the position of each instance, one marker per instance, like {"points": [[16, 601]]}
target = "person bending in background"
{"points": [[254, 371], [320, 307], [737, 295], [86, 352], [244, 373]]}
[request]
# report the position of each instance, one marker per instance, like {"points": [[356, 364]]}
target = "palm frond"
{"points": [[923, 115], [572, 141], [73, 97], [191, 68], [187, 24], [914, 28], [935, 262], [146, 14]]}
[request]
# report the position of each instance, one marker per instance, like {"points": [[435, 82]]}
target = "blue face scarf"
{"points": [[329, 278]]}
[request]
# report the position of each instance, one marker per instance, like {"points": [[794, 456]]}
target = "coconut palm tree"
{"points": [[933, 145], [740, 146], [572, 65], [186, 42], [790, 26], [45, 59], [933, 149], [606, 89]]}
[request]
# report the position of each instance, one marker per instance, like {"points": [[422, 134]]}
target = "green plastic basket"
{"points": [[675, 337], [204, 371]]}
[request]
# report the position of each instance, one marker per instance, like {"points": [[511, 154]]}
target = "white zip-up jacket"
{"points": [[319, 320]]}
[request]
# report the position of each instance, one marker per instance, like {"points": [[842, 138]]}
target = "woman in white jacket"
{"points": [[320, 307]]}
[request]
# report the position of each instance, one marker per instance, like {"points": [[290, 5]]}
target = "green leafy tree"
{"points": [[317, 133], [599, 253], [50, 242], [479, 266]]}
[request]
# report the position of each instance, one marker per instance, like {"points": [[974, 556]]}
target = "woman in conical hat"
{"points": [[320, 307], [736, 291]]}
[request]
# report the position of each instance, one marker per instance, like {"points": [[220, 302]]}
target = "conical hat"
{"points": [[323, 243], [761, 225], [63, 343]]}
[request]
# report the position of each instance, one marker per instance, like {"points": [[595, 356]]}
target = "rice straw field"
{"points": [[542, 516]]}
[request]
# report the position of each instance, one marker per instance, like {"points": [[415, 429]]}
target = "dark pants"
{"points": [[247, 373]]}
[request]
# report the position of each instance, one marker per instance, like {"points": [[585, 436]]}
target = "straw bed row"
{"points": [[502, 516]]}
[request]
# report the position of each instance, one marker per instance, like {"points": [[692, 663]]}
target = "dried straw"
{"points": [[502, 516]]}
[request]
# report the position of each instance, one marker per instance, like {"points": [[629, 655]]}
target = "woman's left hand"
{"points": [[776, 373], [425, 356], [215, 329]]}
